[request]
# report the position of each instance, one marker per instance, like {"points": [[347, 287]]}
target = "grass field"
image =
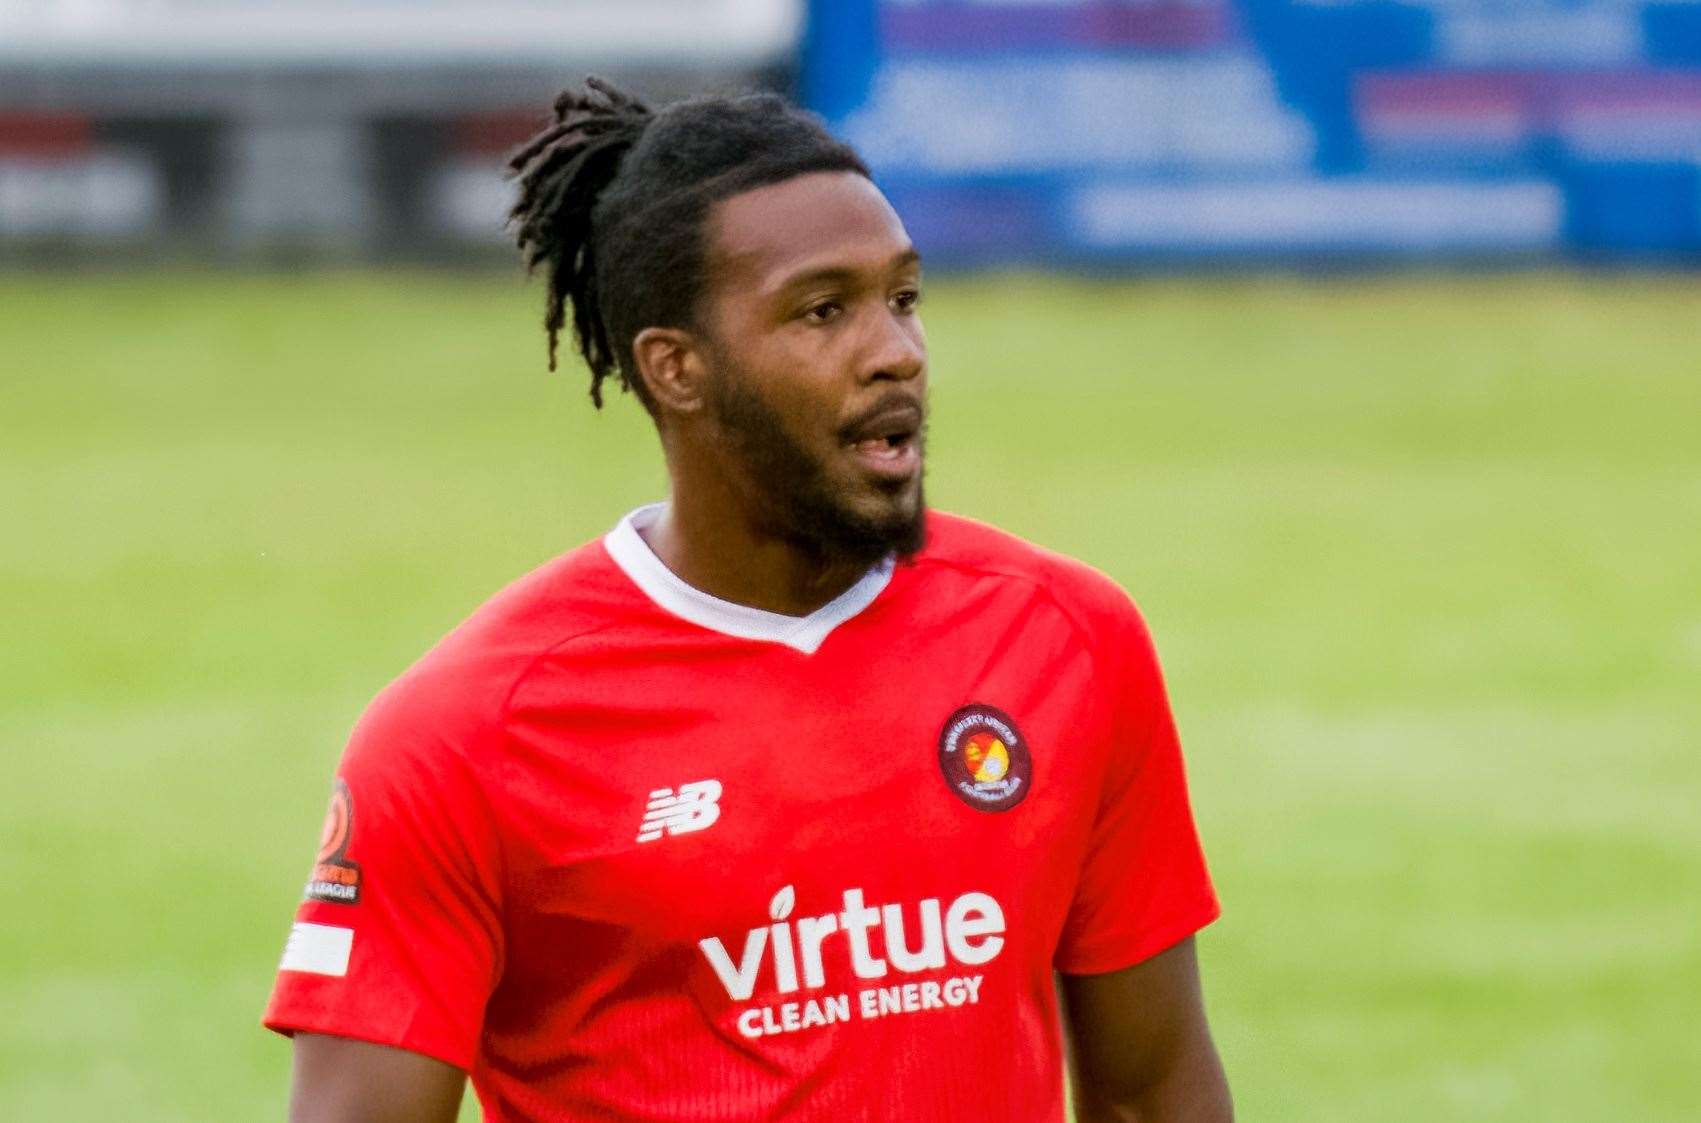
{"points": [[1423, 557]]}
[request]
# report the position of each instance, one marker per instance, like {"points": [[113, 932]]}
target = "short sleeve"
{"points": [[399, 939], [1143, 883]]}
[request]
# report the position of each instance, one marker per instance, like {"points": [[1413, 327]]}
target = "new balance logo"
{"points": [[693, 807]]}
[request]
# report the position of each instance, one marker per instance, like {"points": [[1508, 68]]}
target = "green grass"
{"points": [[1423, 557]]}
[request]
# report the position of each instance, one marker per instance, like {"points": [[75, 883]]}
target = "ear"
{"points": [[672, 369]]}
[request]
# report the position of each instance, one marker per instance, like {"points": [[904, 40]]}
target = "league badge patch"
{"points": [[985, 758], [335, 878]]}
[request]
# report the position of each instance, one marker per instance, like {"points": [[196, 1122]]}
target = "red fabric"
{"points": [[510, 922]]}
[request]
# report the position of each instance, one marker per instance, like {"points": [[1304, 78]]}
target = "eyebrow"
{"points": [[840, 273]]}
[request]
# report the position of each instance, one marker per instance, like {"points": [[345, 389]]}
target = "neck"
{"points": [[708, 543]]}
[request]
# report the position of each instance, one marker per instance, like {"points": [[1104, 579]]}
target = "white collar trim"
{"points": [[800, 633]]}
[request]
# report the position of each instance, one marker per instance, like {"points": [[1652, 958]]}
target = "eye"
{"points": [[905, 300], [823, 312]]}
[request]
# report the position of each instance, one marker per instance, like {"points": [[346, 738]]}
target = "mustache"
{"points": [[893, 404]]}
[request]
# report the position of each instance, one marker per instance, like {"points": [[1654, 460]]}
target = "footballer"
{"points": [[789, 798]]}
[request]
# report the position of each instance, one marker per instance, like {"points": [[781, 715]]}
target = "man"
{"points": [[788, 799]]}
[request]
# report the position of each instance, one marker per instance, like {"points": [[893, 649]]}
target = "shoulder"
{"points": [[454, 697], [1094, 602]]}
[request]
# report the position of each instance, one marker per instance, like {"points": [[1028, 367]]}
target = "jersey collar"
{"points": [[800, 633]]}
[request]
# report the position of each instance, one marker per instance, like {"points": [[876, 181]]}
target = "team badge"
{"points": [[335, 878], [985, 758]]}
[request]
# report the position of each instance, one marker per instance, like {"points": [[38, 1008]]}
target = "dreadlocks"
{"points": [[613, 197]]}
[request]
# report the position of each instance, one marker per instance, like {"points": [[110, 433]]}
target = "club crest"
{"points": [[985, 758]]}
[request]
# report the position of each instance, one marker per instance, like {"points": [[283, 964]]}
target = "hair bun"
{"points": [[562, 170], [598, 101]]}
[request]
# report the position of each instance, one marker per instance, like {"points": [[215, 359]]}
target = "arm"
{"points": [[1141, 1049], [376, 982], [341, 1080]]}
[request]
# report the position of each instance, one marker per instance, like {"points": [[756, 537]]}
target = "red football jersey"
{"points": [[625, 851]]}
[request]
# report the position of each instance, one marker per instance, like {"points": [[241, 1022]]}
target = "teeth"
{"points": [[879, 448]]}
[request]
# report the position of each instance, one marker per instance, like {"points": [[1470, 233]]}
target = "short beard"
{"points": [[796, 500]]}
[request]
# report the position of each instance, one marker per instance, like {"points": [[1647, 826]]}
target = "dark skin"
{"points": [[814, 289], [816, 283], [1140, 1046]]}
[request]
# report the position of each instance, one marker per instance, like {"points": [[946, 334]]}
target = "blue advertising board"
{"points": [[1187, 130]]}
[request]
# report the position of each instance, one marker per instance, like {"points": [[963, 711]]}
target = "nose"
{"points": [[896, 350]]}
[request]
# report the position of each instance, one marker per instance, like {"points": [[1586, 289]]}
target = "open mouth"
{"points": [[889, 447], [888, 443]]}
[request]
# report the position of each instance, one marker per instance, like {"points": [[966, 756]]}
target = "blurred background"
{"points": [[1360, 339], [1038, 131]]}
